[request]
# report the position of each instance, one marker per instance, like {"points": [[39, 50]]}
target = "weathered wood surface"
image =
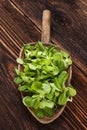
{"points": [[20, 22]]}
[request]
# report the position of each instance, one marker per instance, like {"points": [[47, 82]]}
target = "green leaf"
{"points": [[41, 92], [54, 87], [62, 77], [38, 113], [61, 65], [48, 68], [46, 87], [46, 103], [57, 83], [25, 78], [62, 100], [40, 46], [64, 54], [17, 71], [71, 91], [20, 61], [56, 70], [57, 57], [31, 73], [32, 67], [36, 104], [44, 76], [50, 95], [33, 54], [27, 46], [26, 68], [27, 54], [57, 93], [51, 49], [36, 85], [45, 61], [67, 62], [18, 80], [23, 88], [48, 111], [28, 101]]}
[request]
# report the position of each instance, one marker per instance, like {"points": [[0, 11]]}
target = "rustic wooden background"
{"points": [[20, 22]]}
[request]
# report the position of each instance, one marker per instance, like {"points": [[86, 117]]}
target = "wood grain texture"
{"points": [[69, 24], [20, 22]]}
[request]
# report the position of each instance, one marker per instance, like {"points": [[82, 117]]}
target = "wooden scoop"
{"points": [[45, 39]]}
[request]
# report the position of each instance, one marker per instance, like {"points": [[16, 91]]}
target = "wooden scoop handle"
{"points": [[45, 38]]}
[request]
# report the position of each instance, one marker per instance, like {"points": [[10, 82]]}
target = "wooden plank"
{"points": [[69, 24], [16, 28], [74, 117]]}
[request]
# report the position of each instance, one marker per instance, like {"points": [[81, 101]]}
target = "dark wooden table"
{"points": [[20, 22]]}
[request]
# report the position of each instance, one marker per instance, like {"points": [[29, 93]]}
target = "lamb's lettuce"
{"points": [[43, 77]]}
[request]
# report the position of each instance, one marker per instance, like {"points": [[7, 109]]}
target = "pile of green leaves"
{"points": [[43, 78]]}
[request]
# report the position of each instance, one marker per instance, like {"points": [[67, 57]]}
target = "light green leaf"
{"points": [[71, 91], [57, 93], [50, 95], [54, 87], [20, 61], [67, 62], [36, 85], [27, 46], [25, 78], [45, 61], [48, 68], [36, 104], [56, 70], [64, 54], [57, 57], [46, 103], [27, 101], [46, 87], [41, 92], [17, 71], [26, 68], [51, 49], [62, 77], [32, 67], [23, 88], [62, 100], [57, 83], [18, 80], [40, 46]]}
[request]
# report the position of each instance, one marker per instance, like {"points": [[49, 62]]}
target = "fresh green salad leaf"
{"points": [[32, 67], [28, 101], [36, 85], [48, 111], [20, 61], [43, 77], [71, 91], [46, 103], [23, 88], [64, 54], [62, 100], [18, 80], [62, 78], [46, 87], [39, 113]]}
